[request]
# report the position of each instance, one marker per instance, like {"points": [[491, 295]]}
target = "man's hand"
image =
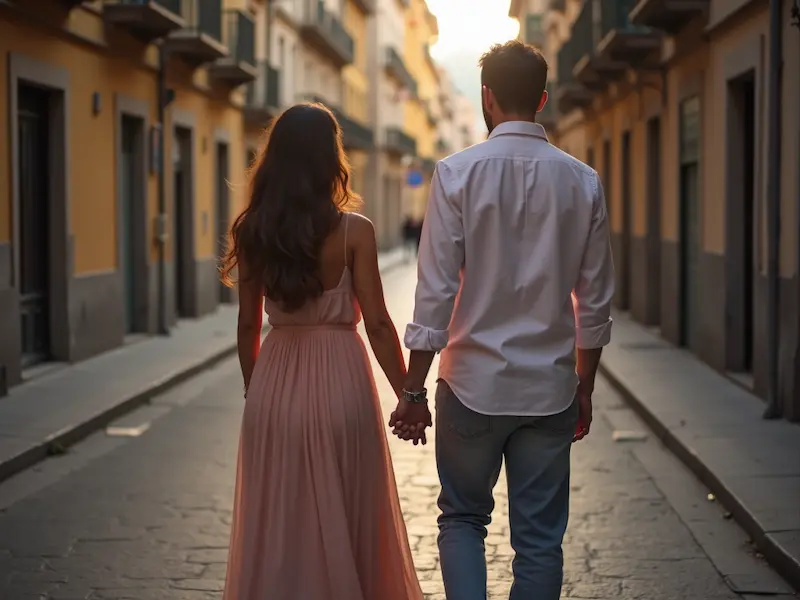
{"points": [[584, 400], [408, 421]]}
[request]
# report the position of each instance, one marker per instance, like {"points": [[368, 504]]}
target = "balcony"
{"points": [[146, 20], [400, 143], [433, 120], [263, 96], [427, 165], [366, 6], [322, 30], [622, 41], [238, 35], [200, 41], [571, 94], [396, 68], [355, 135], [669, 16], [534, 31]]}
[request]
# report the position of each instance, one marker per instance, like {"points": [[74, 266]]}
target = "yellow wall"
{"points": [[418, 34], [356, 83], [92, 138], [91, 142]]}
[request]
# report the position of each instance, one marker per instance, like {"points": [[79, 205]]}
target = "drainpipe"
{"points": [[773, 410], [161, 222]]}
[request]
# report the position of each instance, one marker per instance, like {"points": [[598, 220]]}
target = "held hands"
{"points": [[408, 421]]}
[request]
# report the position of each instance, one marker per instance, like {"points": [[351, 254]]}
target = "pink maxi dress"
{"points": [[316, 512]]}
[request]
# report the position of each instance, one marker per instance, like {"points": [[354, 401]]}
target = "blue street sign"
{"points": [[414, 178]]}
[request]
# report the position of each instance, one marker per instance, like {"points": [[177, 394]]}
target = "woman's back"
{"points": [[337, 305]]}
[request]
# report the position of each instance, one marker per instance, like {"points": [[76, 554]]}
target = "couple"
{"points": [[514, 273]]}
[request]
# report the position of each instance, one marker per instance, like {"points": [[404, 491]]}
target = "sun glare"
{"points": [[471, 25]]}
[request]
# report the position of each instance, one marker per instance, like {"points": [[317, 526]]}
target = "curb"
{"points": [[70, 435], [779, 558], [57, 442]]}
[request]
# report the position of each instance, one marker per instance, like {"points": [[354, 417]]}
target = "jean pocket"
{"points": [[457, 419]]}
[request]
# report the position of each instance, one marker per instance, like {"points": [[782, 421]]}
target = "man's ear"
{"points": [[543, 101], [486, 97]]}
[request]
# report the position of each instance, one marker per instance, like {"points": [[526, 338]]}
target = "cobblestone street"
{"points": [[147, 517]]}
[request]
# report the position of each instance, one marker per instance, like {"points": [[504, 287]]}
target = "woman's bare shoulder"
{"points": [[361, 227]]}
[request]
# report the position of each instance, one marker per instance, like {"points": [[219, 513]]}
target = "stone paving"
{"points": [[147, 518]]}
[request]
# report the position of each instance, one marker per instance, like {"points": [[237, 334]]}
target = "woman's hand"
{"points": [[408, 421]]}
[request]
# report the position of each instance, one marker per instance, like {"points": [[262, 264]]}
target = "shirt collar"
{"points": [[519, 128]]}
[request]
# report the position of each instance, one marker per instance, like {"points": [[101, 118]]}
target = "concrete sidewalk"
{"points": [[713, 425], [53, 411]]}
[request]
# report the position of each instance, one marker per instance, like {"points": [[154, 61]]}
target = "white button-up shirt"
{"points": [[515, 270]]}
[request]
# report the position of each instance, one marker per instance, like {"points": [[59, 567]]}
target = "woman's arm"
{"points": [[369, 291], [248, 331]]}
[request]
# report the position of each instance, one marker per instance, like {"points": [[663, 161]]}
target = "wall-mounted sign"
{"points": [[414, 178]]}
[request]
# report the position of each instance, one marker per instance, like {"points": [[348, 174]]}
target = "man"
{"points": [[515, 230]]}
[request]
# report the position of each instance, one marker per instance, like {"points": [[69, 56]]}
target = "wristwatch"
{"points": [[420, 397]]}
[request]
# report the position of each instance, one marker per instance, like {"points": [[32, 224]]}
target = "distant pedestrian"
{"points": [[515, 230], [417, 235], [409, 237], [316, 512]]}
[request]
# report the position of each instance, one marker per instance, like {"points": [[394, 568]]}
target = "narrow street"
{"points": [[146, 517]]}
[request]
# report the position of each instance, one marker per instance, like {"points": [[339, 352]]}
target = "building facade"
{"points": [[533, 17], [129, 126], [423, 109], [111, 216], [689, 113]]}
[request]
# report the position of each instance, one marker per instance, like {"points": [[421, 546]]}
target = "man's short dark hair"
{"points": [[517, 74]]}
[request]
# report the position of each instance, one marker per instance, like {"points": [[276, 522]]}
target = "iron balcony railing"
{"points": [[399, 141], [354, 134], [614, 15], [201, 16], [428, 165], [333, 30], [239, 35], [265, 91], [580, 43], [534, 31], [174, 6], [395, 63]]}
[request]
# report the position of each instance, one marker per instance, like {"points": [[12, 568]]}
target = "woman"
{"points": [[316, 513]]}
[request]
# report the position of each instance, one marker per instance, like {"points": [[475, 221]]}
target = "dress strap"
{"points": [[346, 223]]}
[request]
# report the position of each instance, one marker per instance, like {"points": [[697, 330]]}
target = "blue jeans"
{"points": [[470, 448]]}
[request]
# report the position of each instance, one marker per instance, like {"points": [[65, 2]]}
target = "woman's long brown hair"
{"points": [[300, 186]]}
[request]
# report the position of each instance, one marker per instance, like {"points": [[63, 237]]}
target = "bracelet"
{"points": [[420, 397]]}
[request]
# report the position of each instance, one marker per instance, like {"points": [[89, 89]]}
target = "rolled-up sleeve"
{"points": [[595, 287], [441, 256]]}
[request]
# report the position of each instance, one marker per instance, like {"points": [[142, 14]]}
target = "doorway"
{"points": [[223, 215], [33, 172], [132, 220], [741, 218], [653, 241], [625, 237], [689, 206], [182, 192]]}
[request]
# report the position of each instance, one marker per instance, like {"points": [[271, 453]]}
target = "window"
{"points": [[281, 57]]}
